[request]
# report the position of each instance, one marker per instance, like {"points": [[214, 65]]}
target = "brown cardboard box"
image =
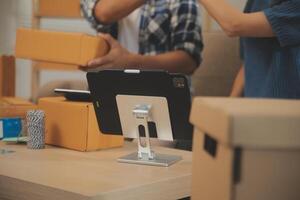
{"points": [[246, 149], [14, 107], [58, 8], [73, 125], [59, 47], [7, 75]]}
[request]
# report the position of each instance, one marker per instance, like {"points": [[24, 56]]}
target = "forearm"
{"points": [[237, 23], [176, 62], [108, 11], [239, 84]]}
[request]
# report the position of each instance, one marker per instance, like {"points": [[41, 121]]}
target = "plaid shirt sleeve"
{"points": [[87, 9], [186, 29]]}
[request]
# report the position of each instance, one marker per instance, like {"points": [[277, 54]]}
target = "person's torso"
{"points": [[157, 18], [271, 70], [129, 29], [155, 27]]}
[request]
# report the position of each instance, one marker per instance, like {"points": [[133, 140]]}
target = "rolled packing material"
{"points": [[59, 47], [36, 129]]}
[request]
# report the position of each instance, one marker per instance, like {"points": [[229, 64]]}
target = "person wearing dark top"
{"points": [[270, 44]]}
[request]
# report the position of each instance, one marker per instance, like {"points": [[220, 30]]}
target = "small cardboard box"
{"points": [[73, 125], [59, 47], [14, 107], [246, 149], [58, 8]]}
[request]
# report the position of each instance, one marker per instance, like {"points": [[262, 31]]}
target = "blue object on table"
{"points": [[11, 127], [1, 129]]}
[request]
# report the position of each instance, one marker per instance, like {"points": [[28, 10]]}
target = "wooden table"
{"points": [[60, 174]]}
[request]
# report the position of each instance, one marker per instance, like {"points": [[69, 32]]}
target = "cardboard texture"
{"points": [[73, 125], [59, 47], [249, 122], [54, 66], [58, 8], [7, 76], [237, 153], [14, 107]]}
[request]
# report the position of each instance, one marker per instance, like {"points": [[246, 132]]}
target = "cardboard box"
{"points": [[58, 8], [59, 47], [7, 76], [14, 107], [246, 149], [73, 125]]}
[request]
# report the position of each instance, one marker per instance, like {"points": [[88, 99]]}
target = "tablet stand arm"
{"points": [[142, 113]]}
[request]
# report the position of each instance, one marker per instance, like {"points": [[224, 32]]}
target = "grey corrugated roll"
{"points": [[36, 129]]}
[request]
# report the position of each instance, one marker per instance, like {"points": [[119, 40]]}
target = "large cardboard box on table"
{"points": [[246, 149], [59, 47], [73, 125], [15, 107]]}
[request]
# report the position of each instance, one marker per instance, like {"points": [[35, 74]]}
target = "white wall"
{"points": [[17, 13], [237, 3], [8, 25]]}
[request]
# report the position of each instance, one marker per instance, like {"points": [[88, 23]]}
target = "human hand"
{"points": [[117, 57]]}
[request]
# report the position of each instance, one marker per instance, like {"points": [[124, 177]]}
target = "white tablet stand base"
{"points": [[145, 156]]}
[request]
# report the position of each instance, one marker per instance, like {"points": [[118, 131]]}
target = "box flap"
{"points": [[253, 123]]}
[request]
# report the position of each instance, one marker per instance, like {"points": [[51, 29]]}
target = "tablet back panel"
{"points": [[106, 85]]}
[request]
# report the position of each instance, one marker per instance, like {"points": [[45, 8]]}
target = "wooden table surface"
{"points": [[61, 174]]}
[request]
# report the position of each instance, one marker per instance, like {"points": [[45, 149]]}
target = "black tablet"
{"points": [[74, 95], [105, 86]]}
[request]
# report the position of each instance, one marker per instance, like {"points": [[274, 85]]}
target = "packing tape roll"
{"points": [[36, 129]]}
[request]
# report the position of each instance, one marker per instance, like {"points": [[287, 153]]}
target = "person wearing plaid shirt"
{"points": [[168, 38]]}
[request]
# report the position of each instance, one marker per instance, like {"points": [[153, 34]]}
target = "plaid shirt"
{"points": [[166, 25]]}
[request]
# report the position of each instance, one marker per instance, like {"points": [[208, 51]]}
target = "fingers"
{"points": [[96, 69], [110, 40], [96, 64], [99, 61], [105, 61]]}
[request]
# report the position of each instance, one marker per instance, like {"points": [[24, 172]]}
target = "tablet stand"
{"points": [[145, 155]]}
